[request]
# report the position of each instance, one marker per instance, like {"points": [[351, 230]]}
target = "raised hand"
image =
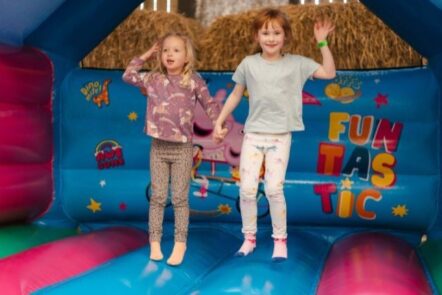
{"points": [[151, 52], [322, 29]]}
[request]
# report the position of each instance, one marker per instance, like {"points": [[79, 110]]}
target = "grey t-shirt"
{"points": [[275, 91]]}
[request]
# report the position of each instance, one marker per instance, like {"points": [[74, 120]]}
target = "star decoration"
{"points": [[133, 116], [400, 210], [346, 183], [123, 206], [102, 183], [224, 209], [381, 99], [94, 206]]}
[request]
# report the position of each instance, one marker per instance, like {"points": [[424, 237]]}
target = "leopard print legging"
{"points": [[169, 161]]}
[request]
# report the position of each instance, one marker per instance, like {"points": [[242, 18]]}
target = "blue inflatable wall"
{"points": [[368, 156]]}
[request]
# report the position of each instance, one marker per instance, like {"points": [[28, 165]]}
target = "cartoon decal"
{"points": [[109, 154], [97, 92], [357, 158], [344, 89]]}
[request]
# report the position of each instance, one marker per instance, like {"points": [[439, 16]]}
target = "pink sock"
{"points": [[279, 250], [248, 245]]}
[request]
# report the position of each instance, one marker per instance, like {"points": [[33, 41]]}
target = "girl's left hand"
{"points": [[219, 133], [322, 28]]}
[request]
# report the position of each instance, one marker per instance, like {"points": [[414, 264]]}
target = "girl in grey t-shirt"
{"points": [[274, 81]]}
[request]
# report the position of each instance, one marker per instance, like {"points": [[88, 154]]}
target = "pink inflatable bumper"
{"points": [[26, 76], [26, 189], [54, 262], [373, 263]]}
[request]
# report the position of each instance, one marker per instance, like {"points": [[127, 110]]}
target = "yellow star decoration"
{"points": [[346, 183], [224, 209], [400, 210], [94, 206], [133, 116]]}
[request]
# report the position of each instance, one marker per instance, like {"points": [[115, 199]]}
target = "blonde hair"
{"points": [[190, 54], [268, 15]]}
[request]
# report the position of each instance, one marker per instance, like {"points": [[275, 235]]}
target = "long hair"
{"points": [[266, 16], [190, 55]]}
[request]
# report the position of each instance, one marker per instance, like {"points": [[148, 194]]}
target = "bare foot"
{"points": [[177, 256], [155, 251]]}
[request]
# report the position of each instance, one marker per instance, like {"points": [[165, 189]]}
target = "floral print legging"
{"points": [[169, 161], [274, 149]]}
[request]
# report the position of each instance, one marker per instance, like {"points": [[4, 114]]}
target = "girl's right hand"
{"points": [[151, 52], [322, 29], [219, 133]]}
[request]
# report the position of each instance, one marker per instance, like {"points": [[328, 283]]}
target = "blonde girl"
{"points": [[173, 88]]}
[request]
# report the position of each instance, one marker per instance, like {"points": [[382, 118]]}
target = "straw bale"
{"points": [[136, 35], [360, 39], [227, 41]]}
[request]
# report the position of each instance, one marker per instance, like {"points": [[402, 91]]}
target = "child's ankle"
{"points": [[280, 240], [250, 237]]}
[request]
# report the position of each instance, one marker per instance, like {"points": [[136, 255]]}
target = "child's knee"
{"points": [[275, 192], [158, 201], [248, 193], [180, 202]]}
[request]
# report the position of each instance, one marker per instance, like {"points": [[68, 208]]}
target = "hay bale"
{"points": [[360, 40], [227, 41], [136, 35]]}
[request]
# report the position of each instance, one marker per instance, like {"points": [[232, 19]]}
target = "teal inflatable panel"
{"points": [[369, 155]]}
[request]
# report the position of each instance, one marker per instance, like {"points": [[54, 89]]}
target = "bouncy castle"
{"points": [[362, 186]]}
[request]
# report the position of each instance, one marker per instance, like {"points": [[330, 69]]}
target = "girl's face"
{"points": [[173, 55], [271, 39]]}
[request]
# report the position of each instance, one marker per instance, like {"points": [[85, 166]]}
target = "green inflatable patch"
{"points": [[431, 252], [17, 238]]}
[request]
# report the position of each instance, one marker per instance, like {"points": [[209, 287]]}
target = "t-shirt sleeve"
{"points": [[239, 76], [308, 67]]}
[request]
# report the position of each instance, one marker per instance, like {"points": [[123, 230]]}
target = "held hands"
{"points": [[219, 133], [322, 29], [151, 52]]}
